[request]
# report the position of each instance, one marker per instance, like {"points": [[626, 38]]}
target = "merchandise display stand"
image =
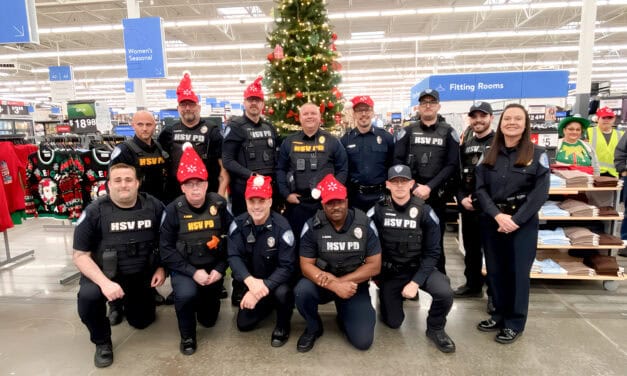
{"points": [[11, 259], [610, 282]]}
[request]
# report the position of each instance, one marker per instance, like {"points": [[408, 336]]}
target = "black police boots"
{"points": [[279, 336], [104, 355], [116, 313], [188, 346], [307, 340], [441, 340]]}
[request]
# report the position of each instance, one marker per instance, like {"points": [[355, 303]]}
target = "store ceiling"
{"points": [[514, 36]]}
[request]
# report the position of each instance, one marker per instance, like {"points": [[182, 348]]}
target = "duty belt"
{"points": [[368, 189], [399, 268], [511, 204]]}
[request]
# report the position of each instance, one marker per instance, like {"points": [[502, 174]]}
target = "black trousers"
{"points": [[508, 260], [356, 314], [391, 301], [297, 215], [471, 237], [138, 301], [439, 207], [193, 301], [281, 299]]}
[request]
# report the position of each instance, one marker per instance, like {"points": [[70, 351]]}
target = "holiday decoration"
{"points": [[301, 67]]}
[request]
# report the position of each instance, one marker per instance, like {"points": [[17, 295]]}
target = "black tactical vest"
{"points": [[198, 137], [262, 247], [129, 237], [471, 153], [152, 168], [343, 252], [259, 149], [308, 158], [400, 233], [427, 151], [195, 230]]}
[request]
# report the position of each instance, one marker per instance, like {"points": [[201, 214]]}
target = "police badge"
{"points": [[358, 233], [379, 140], [321, 139], [270, 142], [204, 129], [213, 210], [271, 242], [413, 212]]}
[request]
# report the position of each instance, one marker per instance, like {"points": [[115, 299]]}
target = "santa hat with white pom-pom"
{"points": [[184, 91], [329, 189], [190, 166], [258, 186]]}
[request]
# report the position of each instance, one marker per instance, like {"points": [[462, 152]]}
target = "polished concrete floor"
{"points": [[574, 328]]}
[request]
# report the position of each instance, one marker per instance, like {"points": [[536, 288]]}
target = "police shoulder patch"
{"points": [[454, 135], [232, 228], [374, 228], [81, 218], [288, 237], [115, 153], [400, 134], [162, 218], [544, 160], [370, 212], [434, 217], [305, 229], [227, 131]]}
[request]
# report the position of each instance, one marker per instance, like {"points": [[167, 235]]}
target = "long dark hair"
{"points": [[525, 146]]}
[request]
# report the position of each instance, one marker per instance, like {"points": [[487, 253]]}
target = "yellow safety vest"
{"points": [[605, 151]]}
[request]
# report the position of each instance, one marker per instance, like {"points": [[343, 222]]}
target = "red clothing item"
{"points": [[13, 176], [5, 217]]}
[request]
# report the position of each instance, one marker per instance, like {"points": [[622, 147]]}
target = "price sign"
{"points": [[82, 116], [83, 125], [537, 114]]}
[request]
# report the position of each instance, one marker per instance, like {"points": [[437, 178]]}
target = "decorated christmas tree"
{"points": [[301, 67]]}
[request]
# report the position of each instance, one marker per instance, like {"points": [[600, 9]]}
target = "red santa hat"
{"points": [[184, 91], [329, 189], [605, 112], [362, 99], [258, 186], [191, 166], [254, 89]]}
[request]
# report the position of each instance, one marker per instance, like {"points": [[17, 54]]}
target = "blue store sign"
{"points": [[18, 22], [506, 85], [144, 47]]}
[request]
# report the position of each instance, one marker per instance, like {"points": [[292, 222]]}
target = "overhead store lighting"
{"points": [[368, 35]]}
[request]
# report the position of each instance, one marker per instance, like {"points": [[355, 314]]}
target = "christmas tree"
{"points": [[301, 67]]}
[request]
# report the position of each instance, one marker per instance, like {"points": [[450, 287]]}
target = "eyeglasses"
{"points": [[573, 129], [188, 104], [428, 103]]}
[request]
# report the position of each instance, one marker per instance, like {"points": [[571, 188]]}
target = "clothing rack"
{"points": [[17, 138], [11, 259]]}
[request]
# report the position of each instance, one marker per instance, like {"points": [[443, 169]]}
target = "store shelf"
{"points": [[558, 247], [574, 191], [577, 277], [604, 218]]}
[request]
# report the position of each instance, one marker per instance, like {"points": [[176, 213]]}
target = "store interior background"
{"points": [[386, 47]]}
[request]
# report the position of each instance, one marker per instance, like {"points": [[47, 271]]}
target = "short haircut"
{"points": [[123, 165]]}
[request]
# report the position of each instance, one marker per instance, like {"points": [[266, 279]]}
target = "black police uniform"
{"points": [[432, 153], [124, 244], [410, 242], [369, 155], [151, 162], [265, 252], [339, 253], [207, 141], [303, 162], [471, 151], [248, 148], [520, 192], [185, 231]]}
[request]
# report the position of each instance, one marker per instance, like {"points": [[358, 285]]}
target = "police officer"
{"points": [[116, 250], [431, 149], [193, 247], [410, 241], [151, 162], [339, 253], [304, 158], [206, 139], [473, 146], [250, 146], [370, 152], [146, 154], [512, 185], [262, 256]]}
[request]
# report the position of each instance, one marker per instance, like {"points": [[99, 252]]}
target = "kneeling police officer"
{"points": [[116, 250], [262, 258], [410, 241], [193, 247], [339, 253]]}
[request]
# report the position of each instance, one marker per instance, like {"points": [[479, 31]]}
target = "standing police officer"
{"points": [[193, 247], [472, 149], [303, 159], [261, 256], [151, 163], [116, 250], [512, 186], [206, 139], [370, 152], [431, 149], [339, 253], [250, 146], [410, 241]]}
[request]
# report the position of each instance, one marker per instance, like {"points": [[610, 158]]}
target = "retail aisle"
{"points": [[575, 328]]}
